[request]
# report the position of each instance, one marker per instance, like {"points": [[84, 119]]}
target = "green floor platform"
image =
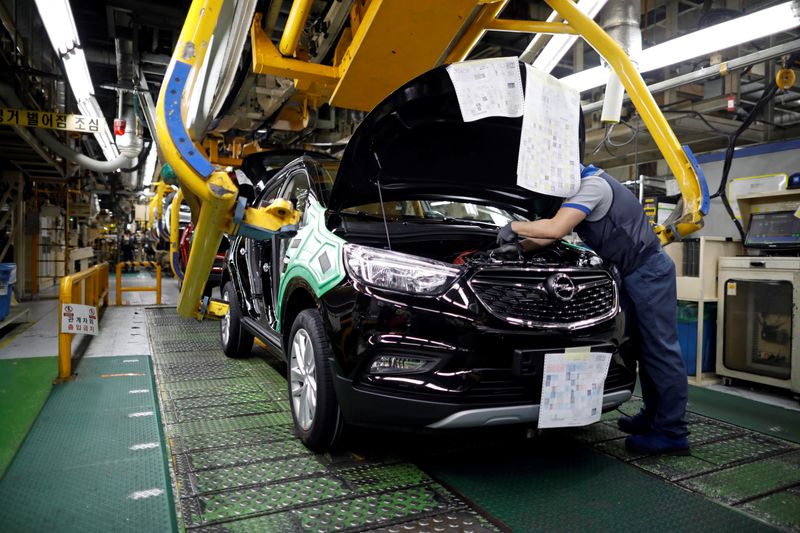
{"points": [[24, 387], [94, 461], [237, 466]]}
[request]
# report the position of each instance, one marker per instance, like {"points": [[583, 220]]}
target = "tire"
{"points": [[315, 410], [236, 342]]}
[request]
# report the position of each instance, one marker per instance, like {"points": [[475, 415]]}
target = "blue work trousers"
{"points": [[649, 300]]}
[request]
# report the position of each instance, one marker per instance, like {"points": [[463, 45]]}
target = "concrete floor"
{"points": [[122, 329]]}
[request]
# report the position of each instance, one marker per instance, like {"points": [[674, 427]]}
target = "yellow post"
{"points": [[119, 282], [646, 105], [294, 26], [158, 284], [64, 339]]}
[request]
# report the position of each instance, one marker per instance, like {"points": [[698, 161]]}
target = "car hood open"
{"points": [[417, 146]]}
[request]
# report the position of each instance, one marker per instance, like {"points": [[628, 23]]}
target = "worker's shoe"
{"points": [[637, 424], [654, 442]]}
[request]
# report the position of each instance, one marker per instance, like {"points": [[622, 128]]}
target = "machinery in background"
{"points": [[757, 335]]}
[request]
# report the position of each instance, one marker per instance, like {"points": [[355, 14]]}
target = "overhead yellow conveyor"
{"points": [[388, 43]]}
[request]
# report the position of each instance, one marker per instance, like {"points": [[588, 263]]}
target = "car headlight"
{"points": [[397, 271]]}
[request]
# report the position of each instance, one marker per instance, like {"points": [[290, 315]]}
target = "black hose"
{"points": [[769, 92], [142, 158]]}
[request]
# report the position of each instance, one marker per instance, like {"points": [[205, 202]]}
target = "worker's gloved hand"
{"points": [[506, 235]]}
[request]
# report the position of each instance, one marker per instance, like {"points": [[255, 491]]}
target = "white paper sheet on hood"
{"points": [[549, 162], [488, 88]]}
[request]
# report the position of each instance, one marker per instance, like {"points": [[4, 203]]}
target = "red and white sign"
{"points": [[77, 318]]}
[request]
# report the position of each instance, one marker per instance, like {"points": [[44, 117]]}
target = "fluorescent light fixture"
{"points": [[150, 166], [770, 21], [59, 24], [558, 46], [60, 27], [90, 107]]}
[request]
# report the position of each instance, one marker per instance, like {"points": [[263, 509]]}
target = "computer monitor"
{"points": [[779, 230]]}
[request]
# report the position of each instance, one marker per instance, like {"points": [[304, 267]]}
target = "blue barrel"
{"points": [[8, 277]]}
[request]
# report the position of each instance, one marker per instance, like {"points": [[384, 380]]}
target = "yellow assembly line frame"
{"points": [[213, 198]]}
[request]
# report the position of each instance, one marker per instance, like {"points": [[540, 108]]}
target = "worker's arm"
{"points": [[552, 229], [535, 244]]}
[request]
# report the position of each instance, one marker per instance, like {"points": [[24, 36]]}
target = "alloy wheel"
{"points": [[303, 376], [226, 320]]}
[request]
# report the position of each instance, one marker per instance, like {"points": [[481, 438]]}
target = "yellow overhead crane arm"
{"points": [[387, 43], [209, 191]]}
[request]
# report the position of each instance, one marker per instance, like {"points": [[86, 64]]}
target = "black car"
{"points": [[392, 305]]}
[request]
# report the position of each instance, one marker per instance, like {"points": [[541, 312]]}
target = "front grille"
{"points": [[522, 297]]}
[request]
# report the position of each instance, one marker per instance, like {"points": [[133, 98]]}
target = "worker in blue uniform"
{"points": [[610, 220]]}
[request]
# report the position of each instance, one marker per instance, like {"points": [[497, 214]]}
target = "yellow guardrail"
{"points": [[89, 287], [147, 264]]}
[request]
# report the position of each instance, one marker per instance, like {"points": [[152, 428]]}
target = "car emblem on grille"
{"points": [[561, 286]]}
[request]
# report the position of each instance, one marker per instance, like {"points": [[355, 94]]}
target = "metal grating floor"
{"points": [[236, 466]]}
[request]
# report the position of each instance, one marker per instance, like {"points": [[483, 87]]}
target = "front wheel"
{"points": [[315, 411], [236, 341]]}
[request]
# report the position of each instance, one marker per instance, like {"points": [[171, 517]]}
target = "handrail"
{"points": [[146, 264], [89, 287]]}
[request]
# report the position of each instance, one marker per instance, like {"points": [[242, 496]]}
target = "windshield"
{"points": [[435, 210], [444, 210]]}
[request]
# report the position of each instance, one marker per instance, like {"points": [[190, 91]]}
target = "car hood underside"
{"points": [[415, 145]]}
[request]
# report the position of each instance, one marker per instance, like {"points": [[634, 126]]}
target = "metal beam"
{"points": [[714, 70]]}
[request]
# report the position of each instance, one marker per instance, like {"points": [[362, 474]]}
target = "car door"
{"points": [[295, 189], [258, 256]]}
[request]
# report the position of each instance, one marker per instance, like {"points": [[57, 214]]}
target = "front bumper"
{"points": [[378, 408], [515, 414], [480, 370]]}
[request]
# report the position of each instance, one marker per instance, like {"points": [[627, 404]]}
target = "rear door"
{"points": [[258, 258], [296, 189]]}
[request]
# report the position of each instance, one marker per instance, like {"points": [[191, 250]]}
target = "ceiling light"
{"points": [[60, 27], [555, 50], [744, 29], [150, 166], [59, 24]]}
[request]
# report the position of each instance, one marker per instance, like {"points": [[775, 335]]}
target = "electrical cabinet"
{"points": [[758, 324]]}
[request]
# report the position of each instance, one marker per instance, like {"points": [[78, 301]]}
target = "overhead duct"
{"points": [[621, 22], [8, 94], [130, 142]]}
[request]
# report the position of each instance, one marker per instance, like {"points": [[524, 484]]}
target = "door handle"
{"points": [[760, 264]]}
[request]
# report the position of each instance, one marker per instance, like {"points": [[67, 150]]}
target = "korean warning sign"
{"points": [[76, 318], [45, 119]]}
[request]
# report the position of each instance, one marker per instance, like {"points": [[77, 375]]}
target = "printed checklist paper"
{"points": [[549, 159], [572, 388], [488, 88]]}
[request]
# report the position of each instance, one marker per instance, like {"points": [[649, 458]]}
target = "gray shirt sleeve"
{"points": [[594, 197]]}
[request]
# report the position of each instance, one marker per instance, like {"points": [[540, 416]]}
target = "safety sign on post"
{"points": [[46, 119], [77, 318]]}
